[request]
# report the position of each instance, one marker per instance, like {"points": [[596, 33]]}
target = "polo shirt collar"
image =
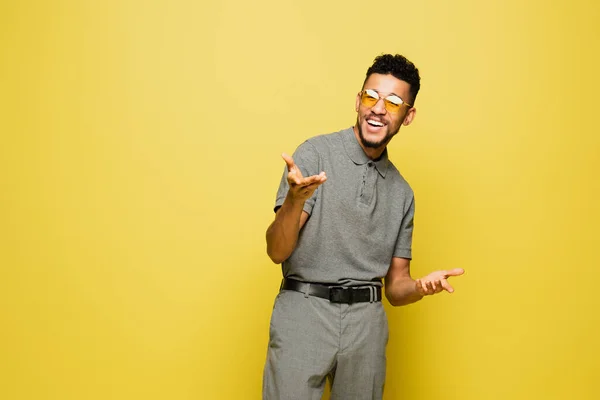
{"points": [[358, 156]]}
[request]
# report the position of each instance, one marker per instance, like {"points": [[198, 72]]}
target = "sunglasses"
{"points": [[370, 97]]}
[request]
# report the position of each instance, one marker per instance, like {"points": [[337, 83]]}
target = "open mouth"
{"points": [[375, 123]]}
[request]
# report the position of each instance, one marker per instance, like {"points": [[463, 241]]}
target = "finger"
{"points": [[418, 287], [424, 287], [308, 190], [293, 178], [447, 286], [429, 288], [455, 272], [438, 286], [312, 187], [289, 161], [315, 179], [433, 286]]}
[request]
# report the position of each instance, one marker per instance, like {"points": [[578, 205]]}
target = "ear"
{"points": [[410, 115], [357, 104]]}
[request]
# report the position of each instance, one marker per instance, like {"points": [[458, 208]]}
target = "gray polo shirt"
{"points": [[360, 218]]}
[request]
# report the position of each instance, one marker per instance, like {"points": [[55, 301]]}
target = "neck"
{"points": [[372, 152]]}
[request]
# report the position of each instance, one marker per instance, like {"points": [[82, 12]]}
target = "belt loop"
{"points": [[307, 290], [371, 294]]}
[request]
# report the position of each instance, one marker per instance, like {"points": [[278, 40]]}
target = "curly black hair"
{"points": [[398, 66]]}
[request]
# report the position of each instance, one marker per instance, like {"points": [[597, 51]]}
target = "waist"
{"points": [[335, 293]]}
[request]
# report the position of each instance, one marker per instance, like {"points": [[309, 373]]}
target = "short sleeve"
{"points": [[307, 159], [404, 242]]}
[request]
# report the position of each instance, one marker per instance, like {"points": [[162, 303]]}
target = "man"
{"points": [[344, 221]]}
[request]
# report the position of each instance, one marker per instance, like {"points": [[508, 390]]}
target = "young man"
{"points": [[344, 220]]}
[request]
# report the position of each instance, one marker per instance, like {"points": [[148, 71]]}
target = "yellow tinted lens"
{"points": [[369, 98], [392, 106]]}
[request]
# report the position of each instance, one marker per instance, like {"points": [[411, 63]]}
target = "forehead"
{"points": [[388, 84]]}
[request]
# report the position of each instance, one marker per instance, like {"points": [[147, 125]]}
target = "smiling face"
{"points": [[375, 125]]}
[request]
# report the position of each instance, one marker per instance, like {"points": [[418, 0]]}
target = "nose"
{"points": [[379, 107]]}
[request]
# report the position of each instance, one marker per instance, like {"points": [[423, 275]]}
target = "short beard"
{"points": [[370, 144]]}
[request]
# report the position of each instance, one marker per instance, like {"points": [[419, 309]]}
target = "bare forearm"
{"points": [[282, 234], [402, 292]]}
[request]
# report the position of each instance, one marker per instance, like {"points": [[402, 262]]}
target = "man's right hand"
{"points": [[301, 188]]}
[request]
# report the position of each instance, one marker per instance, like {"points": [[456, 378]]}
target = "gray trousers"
{"points": [[311, 339]]}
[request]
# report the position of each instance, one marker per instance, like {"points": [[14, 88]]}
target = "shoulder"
{"points": [[316, 149], [327, 141]]}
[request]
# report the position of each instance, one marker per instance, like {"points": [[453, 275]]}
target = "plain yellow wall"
{"points": [[140, 160]]}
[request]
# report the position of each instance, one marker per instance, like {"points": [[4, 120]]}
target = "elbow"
{"points": [[390, 298], [393, 301], [276, 252], [276, 257]]}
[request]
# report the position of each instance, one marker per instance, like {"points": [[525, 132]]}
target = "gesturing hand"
{"points": [[301, 188], [437, 281]]}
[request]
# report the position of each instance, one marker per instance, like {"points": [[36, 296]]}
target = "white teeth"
{"points": [[374, 123]]}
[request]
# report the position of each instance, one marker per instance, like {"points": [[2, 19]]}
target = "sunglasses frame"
{"points": [[385, 99]]}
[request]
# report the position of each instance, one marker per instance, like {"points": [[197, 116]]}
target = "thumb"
{"points": [[289, 161], [455, 272]]}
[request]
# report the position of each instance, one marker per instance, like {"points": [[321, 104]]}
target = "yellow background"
{"points": [[140, 159]]}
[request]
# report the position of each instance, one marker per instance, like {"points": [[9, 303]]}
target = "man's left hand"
{"points": [[437, 281]]}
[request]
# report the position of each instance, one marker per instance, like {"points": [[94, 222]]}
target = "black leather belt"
{"points": [[335, 294]]}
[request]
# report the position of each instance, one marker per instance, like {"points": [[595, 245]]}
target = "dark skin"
{"points": [[376, 126]]}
